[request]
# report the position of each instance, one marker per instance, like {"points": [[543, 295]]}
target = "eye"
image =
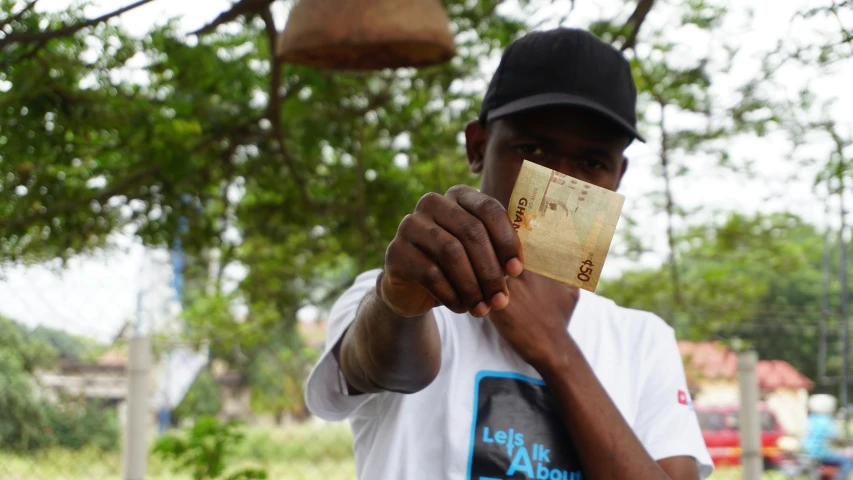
{"points": [[530, 149], [591, 163]]}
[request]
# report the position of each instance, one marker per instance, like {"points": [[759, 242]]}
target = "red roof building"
{"points": [[712, 361]]}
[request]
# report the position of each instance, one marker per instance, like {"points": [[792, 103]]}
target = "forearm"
{"points": [[603, 438], [385, 351]]}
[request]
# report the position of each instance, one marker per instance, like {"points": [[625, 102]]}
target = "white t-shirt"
{"points": [[487, 415]]}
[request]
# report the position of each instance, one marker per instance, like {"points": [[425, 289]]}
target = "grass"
{"points": [[304, 452]]}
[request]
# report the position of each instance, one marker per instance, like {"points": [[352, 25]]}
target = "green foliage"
{"points": [[203, 398], [204, 451], [21, 351], [221, 139], [69, 347], [278, 377], [24, 421], [77, 424], [29, 422], [754, 278]]}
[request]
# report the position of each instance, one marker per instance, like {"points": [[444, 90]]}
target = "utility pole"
{"points": [[135, 453], [845, 329], [750, 424], [824, 295]]}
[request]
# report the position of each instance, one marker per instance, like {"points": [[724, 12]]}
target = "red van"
{"points": [[720, 430]]}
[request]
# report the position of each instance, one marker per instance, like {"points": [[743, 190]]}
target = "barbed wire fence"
{"points": [[64, 399]]}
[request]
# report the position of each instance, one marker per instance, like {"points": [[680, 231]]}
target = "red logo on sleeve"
{"points": [[682, 397]]}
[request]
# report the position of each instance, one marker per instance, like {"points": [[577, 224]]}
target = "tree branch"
{"points": [[17, 16], [635, 21], [243, 7], [275, 100], [68, 30], [117, 189]]}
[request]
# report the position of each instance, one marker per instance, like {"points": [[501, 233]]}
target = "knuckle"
{"points": [[491, 209], [452, 251], [455, 211], [474, 232], [409, 225], [428, 200], [432, 275], [456, 189], [406, 223], [393, 253], [434, 231]]}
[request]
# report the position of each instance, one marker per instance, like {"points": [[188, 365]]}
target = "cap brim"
{"points": [[544, 100]]}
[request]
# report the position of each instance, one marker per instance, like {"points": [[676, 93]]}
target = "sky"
{"points": [[96, 295]]}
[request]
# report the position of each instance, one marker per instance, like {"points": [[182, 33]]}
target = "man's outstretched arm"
{"points": [[455, 250], [382, 350]]}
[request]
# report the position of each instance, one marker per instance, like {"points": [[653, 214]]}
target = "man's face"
{"points": [[574, 142]]}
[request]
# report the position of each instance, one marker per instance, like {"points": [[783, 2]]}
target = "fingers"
{"points": [[461, 244], [457, 248], [445, 249], [494, 218], [417, 268]]}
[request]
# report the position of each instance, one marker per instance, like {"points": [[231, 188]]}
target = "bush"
{"points": [[204, 451], [77, 424], [23, 418], [24, 424]]}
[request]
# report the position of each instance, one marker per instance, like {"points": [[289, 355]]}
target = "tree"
{"points": [[23, 418], [756, 279], [28, 421], [677, 106], [68, 347]]}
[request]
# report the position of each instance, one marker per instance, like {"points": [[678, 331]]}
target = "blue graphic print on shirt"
{"points": [[517, 432]]}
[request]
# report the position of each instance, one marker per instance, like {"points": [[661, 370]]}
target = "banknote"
{"points": [[565, 224]]}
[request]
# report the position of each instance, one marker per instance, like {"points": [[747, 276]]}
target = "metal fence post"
{"points": [[750, 424], [136, 435]]}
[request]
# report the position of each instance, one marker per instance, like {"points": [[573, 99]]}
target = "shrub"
{"points": [[77, 424], [204, 451]]}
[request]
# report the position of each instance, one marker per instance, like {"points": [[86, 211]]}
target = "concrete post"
{"points": [[750, 423], [136, 434]]}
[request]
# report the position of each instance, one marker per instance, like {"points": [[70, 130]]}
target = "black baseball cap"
{"points": [[563, 67]]}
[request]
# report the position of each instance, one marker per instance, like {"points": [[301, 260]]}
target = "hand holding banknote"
{"points": [[454, 250]]}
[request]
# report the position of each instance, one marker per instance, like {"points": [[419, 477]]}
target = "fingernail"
{"points": [[481, 310], [500, 301], [514, 267]]}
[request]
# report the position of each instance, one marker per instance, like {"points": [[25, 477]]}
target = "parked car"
{"points": [[720, 429]]}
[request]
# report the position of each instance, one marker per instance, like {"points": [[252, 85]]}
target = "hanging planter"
{"points": [[366, 34]]}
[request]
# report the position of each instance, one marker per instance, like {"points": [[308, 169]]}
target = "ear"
{"points": [[622, 172], [475, 145]]}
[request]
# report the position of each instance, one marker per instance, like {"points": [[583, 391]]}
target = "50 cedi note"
{"points": [[565, 224]]}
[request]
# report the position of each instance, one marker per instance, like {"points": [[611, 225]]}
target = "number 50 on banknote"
{"points": [[565, 224]]}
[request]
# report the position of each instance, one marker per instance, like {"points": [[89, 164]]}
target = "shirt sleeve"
{"points": [[666, 422], [325, 389]]}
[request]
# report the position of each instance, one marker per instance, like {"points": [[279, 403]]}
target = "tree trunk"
{"points": [[670, 212]]}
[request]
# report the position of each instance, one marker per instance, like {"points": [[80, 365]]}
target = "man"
{"points": [[452, 362], [821, 432]]}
